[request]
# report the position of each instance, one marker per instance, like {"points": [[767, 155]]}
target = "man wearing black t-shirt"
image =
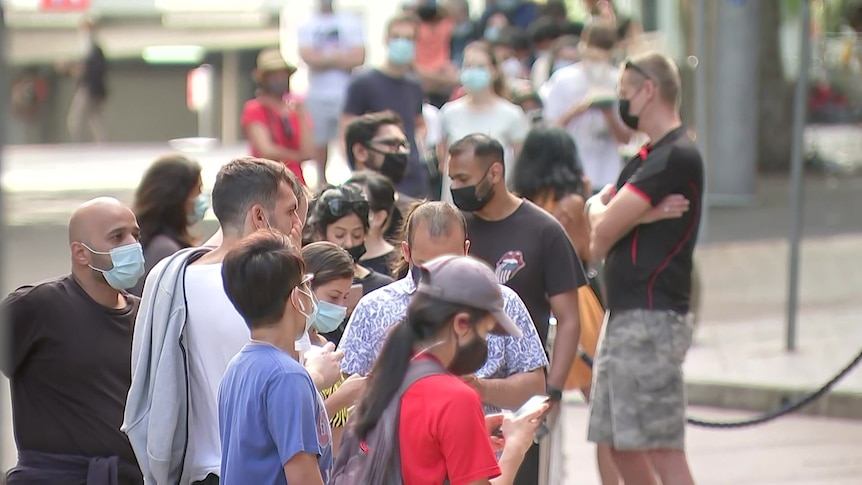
{"points": [[645, 227], [71, 348], [529, 250]]}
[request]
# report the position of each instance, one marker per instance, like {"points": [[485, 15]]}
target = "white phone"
{"points": [[533, 404]]}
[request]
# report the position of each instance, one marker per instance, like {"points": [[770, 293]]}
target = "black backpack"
{"points": [[377, 460]]}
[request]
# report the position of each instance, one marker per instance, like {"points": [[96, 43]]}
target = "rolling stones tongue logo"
{"points": [[508, 265]]}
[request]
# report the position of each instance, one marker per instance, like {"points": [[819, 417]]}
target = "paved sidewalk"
{"points": [[791, 451]]}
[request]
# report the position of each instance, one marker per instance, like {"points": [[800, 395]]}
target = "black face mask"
{"points": [[356, 252], [469, 358], [468, 199], [278, 87], [628, 118], [394, 166]]}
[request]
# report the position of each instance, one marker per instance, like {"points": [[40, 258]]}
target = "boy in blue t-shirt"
{"points": [[273, 426]]}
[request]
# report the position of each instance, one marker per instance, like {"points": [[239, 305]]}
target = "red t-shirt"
{"points": [[284, 130], [442, 434]]}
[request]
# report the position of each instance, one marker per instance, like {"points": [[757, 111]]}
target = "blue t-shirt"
{"points": [[269, 410]]}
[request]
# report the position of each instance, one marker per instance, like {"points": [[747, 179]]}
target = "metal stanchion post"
{"points": [[4, 110], [796, 179]]}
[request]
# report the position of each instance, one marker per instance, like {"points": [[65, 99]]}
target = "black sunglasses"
{"points": [[634, 67], [342, 207]]}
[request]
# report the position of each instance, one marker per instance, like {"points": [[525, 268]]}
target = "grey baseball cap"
{"points": [[467, 281]]}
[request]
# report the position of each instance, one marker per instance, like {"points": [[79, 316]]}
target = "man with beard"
{"points": [[376, 141]]}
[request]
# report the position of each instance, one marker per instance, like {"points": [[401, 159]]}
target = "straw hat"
{"points": [[270, 60]]}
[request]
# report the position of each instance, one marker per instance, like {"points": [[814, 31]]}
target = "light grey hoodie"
{"points": [[157, 409]]}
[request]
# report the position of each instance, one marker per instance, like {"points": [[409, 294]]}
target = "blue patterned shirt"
{"points": [[381, 309]]}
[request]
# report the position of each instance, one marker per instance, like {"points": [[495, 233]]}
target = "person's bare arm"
{"points": [[306, 133], [570, 213], [565, 309], [442, 155], [303, 468], [575, 111], [621, 132], [316, 59], [510, 392], [420, 133], [261, 140], [350, 58]]}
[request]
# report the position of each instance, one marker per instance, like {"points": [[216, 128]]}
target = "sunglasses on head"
{"points": [[343, 207], [634, 67]]}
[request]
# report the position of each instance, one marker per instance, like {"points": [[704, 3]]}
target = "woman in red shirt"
{"points": [[276, 124], [442, 431]]}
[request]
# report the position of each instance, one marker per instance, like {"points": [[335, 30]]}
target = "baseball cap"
{"points": [[466, 281], [271, 60]]}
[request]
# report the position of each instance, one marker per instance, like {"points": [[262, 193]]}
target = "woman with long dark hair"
{"points": [[549, 174], [341, 216], [168, 201], [441, 430]]}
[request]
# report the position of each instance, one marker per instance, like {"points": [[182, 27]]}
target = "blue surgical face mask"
{"points": [[475, 79], [329, 316], [401, 51], [310, 314], [127, 265], [201, 206], [492, 33]]}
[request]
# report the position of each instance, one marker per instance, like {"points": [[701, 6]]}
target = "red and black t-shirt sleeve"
{"points": [[659, 175]]}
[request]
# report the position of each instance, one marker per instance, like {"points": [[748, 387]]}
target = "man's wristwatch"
{"points": [[555, 395]]}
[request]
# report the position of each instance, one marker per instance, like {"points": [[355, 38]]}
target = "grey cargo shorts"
{"points": [[638, 394]]}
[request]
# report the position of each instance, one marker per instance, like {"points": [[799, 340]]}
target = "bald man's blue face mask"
{"points": [[127, 265]]}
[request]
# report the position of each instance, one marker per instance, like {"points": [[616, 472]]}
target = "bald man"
{"points": [[71, 344]]}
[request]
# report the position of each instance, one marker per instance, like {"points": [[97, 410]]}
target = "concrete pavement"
{"points": [[737, 360], [793, 451]]}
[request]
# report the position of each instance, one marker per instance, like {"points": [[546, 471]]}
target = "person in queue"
{"points": [[482, 108], [168, 201], [272, 421], [341, 215], [581, 99], [333, 270], [187, 330], [381, 201], [376, 141], [513, 370], [68, 366], [530, 251], [442, 433], [332, 45], [394, 87], [276, 124], [645, 227], [549, 174]]}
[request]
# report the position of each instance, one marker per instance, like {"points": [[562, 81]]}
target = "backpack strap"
{"points": [[386, 466]]}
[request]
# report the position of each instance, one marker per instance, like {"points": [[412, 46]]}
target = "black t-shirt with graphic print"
{"points": [[70, 370], [530, 253], [650, 267]]}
